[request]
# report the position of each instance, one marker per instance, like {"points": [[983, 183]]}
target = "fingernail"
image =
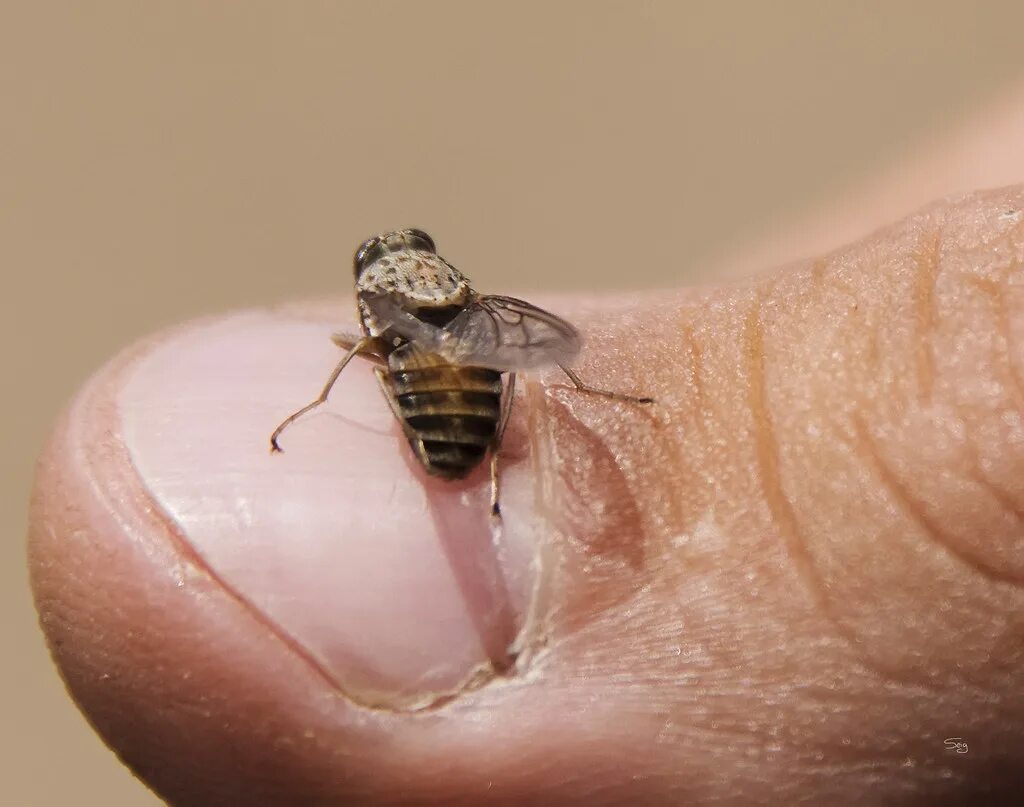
{"points": [[393, 582]]}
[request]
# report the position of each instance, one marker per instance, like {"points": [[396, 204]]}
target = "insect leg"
{"points": [[356, 348], [617, 396], [506, 411], [347, 341]]}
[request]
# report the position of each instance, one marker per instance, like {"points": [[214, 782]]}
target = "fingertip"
{"points": [[216, 611]]}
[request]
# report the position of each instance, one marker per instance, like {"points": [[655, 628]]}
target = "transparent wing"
{"points": [[388, 312], [509, 334], [502, 333]]}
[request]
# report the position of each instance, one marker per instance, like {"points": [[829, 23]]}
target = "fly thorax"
{"points": [[421, 276], [419, 282]]}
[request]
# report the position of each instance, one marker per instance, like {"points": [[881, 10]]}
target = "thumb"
{"points": [[798, 573]]}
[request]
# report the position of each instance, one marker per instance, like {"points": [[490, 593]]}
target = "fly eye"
{"points": [[420, 240], [368, 252]]}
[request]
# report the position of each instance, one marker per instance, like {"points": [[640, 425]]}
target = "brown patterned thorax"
{"points": [[424, 281]]}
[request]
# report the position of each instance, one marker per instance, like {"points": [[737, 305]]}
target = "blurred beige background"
{"points": [[160, 161]]}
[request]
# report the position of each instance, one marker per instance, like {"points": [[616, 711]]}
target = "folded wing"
{"points": [[502, 333]]}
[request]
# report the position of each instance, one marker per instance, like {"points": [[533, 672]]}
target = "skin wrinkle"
{"points": [[690, 501], [996, 291], [783, 514], [927, 263], [983, 284], [848, 633], [915, 511], [781, 509], [978, 475], [767, 452]]}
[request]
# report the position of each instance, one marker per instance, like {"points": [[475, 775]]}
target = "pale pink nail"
{"points": [[391, 580]]}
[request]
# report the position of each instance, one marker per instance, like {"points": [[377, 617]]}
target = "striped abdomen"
{"points": [[452, 411]]}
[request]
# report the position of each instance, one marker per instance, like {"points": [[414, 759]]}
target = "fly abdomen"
{"points": [[453, 412]]}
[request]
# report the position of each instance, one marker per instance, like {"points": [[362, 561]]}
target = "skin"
{"points": [[789, 581]]}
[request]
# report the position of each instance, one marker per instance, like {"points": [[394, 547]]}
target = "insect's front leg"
{"points": [[370, 349], [360, 345], [617, 396]]}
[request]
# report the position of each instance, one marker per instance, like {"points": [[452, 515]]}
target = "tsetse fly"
{"points": [[442, 349]]}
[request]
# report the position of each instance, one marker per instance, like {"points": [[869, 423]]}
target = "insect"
{"points": [[441, 350]]}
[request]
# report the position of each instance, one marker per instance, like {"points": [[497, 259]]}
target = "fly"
{"points": [[441, 351]]}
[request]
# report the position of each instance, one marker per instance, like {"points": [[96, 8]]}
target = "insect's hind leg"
{"points": [[358, 346], [506, 412], [616, 396]]}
